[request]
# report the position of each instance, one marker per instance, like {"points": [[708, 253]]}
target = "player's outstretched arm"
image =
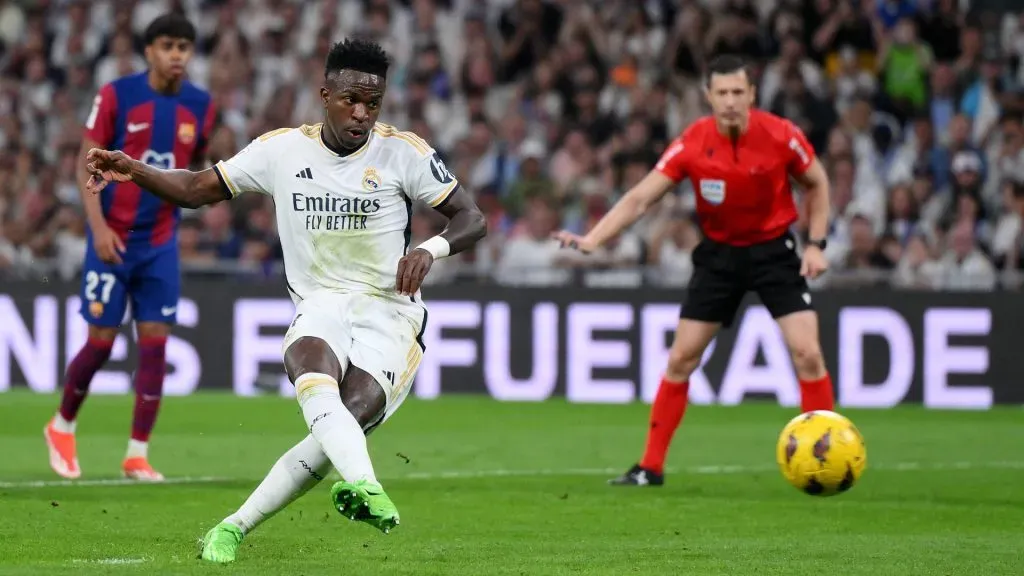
{"points": [[626, 211], [182, 187], [466, 226]]}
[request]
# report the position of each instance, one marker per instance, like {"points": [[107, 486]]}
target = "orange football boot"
{"points": [[138, 468], [63, 452]]}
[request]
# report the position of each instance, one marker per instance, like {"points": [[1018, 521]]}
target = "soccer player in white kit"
{"points": [[344, 191]]}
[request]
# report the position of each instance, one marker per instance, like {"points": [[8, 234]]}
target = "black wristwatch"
{"points": [[819, 243]]}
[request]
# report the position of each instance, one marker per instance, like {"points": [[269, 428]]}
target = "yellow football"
{"points": [[821, 453]]}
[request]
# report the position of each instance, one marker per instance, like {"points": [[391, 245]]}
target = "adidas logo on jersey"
{"points": [[305, 174]]}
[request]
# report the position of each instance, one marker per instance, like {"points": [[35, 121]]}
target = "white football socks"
{"points": [[63, 426], [137, 449], [336, 438], [294, 473], [335, 428]]}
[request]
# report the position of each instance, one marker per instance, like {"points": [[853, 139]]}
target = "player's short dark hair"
{"points": [[172, 25], [727, 64], [357, 54]]}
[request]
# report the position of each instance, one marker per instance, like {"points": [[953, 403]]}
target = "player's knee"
{"points": [[681, 363], [310, 354], [363, 396], [102, 333], [808, 360], [153, 330], [364, 406]]}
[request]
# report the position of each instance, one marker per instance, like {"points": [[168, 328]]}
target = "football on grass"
{"points": [[821, 453]]}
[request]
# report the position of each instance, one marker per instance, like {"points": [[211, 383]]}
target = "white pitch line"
{"points": [[110, 561], [112, 482], [711, 470]]}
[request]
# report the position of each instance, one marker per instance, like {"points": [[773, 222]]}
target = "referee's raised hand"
{"points": [[569, 240]]}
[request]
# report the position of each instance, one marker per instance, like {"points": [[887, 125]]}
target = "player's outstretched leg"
{"points": [[800, 330], [364, 500], [149, 388], [337, 415], [60, 430], [294, 473], [692, 337]]}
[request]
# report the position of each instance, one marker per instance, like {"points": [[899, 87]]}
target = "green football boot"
{"points": [[365, 501], [221, 543]]}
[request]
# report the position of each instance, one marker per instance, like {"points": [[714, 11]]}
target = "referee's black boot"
{"points": [[639, 476]]}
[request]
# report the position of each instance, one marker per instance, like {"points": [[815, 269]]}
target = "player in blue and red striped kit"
{"points": [[160, 118]]}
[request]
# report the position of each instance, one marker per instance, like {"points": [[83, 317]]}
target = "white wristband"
{"points": [[437, 246]]}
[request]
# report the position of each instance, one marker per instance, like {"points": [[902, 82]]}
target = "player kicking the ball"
{"points": [[740, 162], [343, 191]]}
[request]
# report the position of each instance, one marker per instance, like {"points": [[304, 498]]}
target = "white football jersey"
{"points": [[344, 221]]}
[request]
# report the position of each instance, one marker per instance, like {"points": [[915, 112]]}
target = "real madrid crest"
{"points": [[371, 180], [187, 133]]}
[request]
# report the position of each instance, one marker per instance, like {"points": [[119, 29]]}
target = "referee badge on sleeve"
{"points": [[713, 191]]}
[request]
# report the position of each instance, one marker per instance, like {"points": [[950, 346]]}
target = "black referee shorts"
{"points": [[723, 274]]}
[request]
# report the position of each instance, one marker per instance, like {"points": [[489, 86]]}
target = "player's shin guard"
{"points": [[149, 388], [294, 473], [339, 434], [79, 375], [666, 414], [816, 394]]}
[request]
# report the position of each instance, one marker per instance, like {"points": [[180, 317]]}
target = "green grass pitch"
{"points": [[519, 489]]}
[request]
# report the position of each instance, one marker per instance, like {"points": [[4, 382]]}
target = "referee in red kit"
{"points": [[740, 162]]}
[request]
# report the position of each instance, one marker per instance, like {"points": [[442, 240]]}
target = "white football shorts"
{"points": [[378, 334]]}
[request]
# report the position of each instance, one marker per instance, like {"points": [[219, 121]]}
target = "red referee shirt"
{"points": [[743, 194]]}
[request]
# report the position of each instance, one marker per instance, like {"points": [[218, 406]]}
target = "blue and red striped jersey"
{"points": [[163, 130]]}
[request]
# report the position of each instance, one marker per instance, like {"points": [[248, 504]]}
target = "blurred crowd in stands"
{"points": [[548, 110]]}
